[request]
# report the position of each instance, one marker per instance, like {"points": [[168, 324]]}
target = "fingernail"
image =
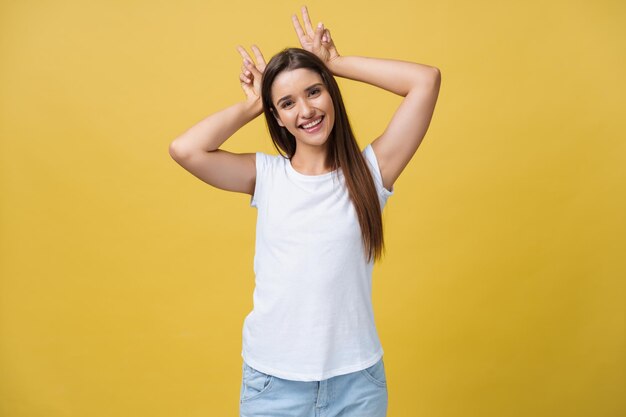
{"points": [[320, 25]]}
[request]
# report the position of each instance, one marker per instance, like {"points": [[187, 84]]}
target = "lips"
{"points": [[312, 124]]}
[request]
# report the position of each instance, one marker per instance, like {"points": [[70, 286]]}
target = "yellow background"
{"points": [[125, 280]]}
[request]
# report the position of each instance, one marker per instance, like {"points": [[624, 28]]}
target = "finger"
{"points": [[245, 71], [317, 40], [259, 57], [326, 36], [248, 62], [298, 28], [243, 52], [251, 67], [244, 79], [307, 22]]}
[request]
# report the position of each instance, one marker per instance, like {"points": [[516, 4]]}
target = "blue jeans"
{"points": [[357, 394]]}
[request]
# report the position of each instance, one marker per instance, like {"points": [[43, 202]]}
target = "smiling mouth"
{"points": [[312, 124]]}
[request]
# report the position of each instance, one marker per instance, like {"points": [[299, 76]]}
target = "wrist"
{"points": [[254, 107], [334, 63]]}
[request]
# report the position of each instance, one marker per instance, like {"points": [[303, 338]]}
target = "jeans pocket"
{"points": [[376, 373], [254, 383]]}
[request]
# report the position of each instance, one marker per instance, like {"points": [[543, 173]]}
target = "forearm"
{"points": [[210, 133], [398, 77]]}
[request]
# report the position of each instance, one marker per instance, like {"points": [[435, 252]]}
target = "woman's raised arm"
{"points": [[418, 84], [197, 150]]}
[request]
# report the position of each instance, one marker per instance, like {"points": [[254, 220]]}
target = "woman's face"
{"points": [[303, 106]]}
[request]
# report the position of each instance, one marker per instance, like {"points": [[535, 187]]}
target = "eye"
{"points": [[286, 103], [315, 91]]}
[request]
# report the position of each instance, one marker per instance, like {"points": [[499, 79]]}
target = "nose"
{"points": [[307, 110]]}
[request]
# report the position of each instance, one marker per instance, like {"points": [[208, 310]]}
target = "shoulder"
{"points": [[265, 161], [372, 160], [370, 157]]}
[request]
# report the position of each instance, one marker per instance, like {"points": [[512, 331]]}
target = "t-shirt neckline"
{"points": [[309, 177]]}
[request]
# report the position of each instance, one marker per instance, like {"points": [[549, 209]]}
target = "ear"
{"points": [[280, 123]]}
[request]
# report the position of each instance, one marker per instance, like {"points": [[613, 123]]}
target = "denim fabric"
{"points": [[357, 394]]}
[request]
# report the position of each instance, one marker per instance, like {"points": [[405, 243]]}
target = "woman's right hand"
{"points": [[251, 73]]}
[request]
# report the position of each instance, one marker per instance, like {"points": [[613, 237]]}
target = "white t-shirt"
{"points": [[312, 315]]}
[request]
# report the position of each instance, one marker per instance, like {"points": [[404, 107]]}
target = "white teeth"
{"points": [[310, 125]]}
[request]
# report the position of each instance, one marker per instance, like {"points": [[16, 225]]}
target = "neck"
{"points": [[310, 160]]}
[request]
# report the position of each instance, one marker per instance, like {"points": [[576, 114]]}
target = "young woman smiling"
{"points": [[310, 344]]}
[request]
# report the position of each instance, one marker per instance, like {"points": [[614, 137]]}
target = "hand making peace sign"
{"points": [[251, 73], [317, 41]]}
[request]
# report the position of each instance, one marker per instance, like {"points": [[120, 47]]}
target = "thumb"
{"points": [[326, 38]]}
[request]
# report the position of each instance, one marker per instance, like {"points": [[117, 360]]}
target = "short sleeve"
{"points": [[370, 157], [259, 185]]}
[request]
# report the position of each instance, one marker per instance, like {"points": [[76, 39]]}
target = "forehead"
{"points": [[291, 82]]}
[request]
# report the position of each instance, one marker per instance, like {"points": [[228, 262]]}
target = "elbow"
{"points": [[432, 81], [435, 76], [172, 150], [175, 151], [425, 77], [437, 72]]}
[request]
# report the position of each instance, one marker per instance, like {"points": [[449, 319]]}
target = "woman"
{"points": [[310, 343]]}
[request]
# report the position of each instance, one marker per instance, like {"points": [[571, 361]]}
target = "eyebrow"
{"points": [[306, 89]]}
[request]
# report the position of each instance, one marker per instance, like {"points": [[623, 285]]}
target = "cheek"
{"points": [[282, 118], [331, 112], [330, 107]]}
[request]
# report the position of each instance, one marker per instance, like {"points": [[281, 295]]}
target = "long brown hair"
{"points": [[343, 150]]}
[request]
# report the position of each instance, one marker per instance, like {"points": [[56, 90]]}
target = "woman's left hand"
{"points": [[317, 41]]}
